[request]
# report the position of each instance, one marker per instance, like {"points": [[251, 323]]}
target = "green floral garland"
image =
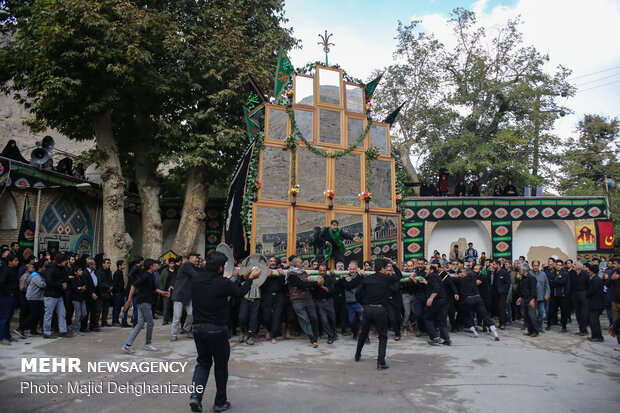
{"points": [[371, 154], [297, 133], [400, 180], [246, 209], [312, 66]]}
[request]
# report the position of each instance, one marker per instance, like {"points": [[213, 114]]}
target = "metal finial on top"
{"points": [[325, 43]]}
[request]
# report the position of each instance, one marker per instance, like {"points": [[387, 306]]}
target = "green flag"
{"points": [[284, 72], [369, 89]]}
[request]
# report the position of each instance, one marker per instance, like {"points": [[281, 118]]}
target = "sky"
{"points": [[582, 35]]}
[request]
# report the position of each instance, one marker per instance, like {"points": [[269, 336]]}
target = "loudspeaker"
{"points": [[47, 143], [39, 156]]}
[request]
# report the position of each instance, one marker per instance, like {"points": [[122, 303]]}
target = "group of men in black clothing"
{"points": [[72, 294]]}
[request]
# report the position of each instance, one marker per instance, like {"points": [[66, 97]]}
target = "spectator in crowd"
{"points": [[473, 190], [443, 185], [596, 303], [459, 189], [498, 190], [510, 189], [12, 152]]}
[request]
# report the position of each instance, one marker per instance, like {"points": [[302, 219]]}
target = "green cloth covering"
{"points": [[335, 235]]}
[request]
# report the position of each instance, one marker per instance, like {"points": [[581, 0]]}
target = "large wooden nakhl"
{"points": [[331, 114]]}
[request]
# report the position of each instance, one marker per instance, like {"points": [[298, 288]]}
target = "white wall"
{"points": [[8, 211], [553, 234], [448, 232]]}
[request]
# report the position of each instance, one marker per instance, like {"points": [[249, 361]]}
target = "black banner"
{"points": [[235, 234]]}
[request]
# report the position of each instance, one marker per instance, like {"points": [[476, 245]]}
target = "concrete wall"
{"points": [[442, 236], [539, 240]]}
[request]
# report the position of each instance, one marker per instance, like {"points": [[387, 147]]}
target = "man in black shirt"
{"points": [[373, 293], [528, 295], [559, 282], [181, 295], [596, 302], [105, 287], [324, 301], [9, 289], [434, 315], [580, 281], [143, 287], [272, 301], [118, 289], [472, 302], [210, 292]]}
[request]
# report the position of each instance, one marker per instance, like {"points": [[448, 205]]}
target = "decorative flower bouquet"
{"points": [[329, 194], [257, 185], [290, 142], [365, 196], [294, 189], [369, 106], [399, 197], [372, 153], [289, 92]]}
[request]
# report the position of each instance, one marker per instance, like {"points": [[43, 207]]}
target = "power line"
{"points": [[594, 73], [596, 87], [598, 80]]}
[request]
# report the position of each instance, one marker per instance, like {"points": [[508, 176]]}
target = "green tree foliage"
{"points": [[594, 154], [165, 79], [482, 110]]}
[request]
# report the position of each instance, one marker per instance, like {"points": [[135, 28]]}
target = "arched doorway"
{"points": [[66, 225], [539, 240], [447, 233], [8, 212]]}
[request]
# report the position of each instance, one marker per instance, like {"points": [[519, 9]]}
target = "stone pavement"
{"points": [[553, 373]]}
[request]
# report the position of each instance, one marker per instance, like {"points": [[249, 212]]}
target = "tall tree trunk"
{"points": [[149, 189], [116, 242], [193, 214], [409, 168]]}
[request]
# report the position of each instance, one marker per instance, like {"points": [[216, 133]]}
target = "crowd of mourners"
{"points": [[442, 188], [66, 295]]}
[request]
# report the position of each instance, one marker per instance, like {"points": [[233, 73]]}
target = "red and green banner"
{"points": [[605, 232], [284, 73], [5, 171], [26, 231], [256, 99]]}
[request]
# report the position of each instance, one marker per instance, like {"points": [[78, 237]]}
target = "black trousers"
{"points": [[36, 310], [24, 309], [340, 306], [595, 323], [374, 315], [435, 319], [530, 317], [501, 308], [476, 305], [93, 307], [248, 315], [580, 304], [212, 347], [105, 309], [561, 303], [338, 256], [327, 316], [66, 298], [394, 314], [271, 310]]}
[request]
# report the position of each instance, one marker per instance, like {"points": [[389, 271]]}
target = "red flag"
{"points": [[605, 230]]}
